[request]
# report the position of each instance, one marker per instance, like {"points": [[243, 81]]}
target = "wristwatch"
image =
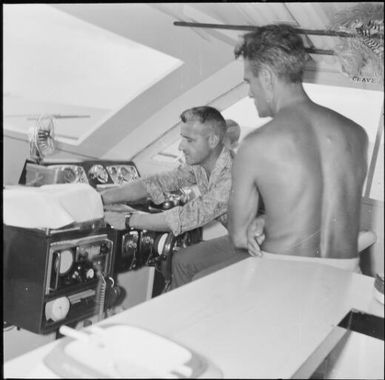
{"points": [[127, 219]]}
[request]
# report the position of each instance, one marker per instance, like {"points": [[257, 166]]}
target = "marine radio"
{"points": [[55, 277], [135, 248]]}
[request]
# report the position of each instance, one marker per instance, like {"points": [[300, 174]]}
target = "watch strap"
{"points": [[127, 219]]}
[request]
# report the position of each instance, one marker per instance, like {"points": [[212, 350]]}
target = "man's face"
{"points": [[256, 90], [195, 142]]}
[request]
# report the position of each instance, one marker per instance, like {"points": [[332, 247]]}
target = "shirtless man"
{"points": [[308, 163]]}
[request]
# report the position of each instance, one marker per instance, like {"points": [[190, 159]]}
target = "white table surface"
{"points": [[258, 318]]}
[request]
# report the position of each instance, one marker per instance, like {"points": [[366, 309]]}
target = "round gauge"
{"points": [[81, 175], [124, 171], [160, 243], [64, 261], [97, 172], [69, 175], [57, 309], [127, 174], [113, 171]]}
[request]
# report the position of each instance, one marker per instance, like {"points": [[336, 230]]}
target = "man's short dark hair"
{"points": [[277, 46], [206, 115]]}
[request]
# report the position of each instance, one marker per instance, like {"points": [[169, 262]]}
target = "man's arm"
{"points": [[194, 214], [152, 222], [160, 184], [153, 186], [125, 193], [244, 197]]}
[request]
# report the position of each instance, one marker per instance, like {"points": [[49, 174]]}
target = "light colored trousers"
{"points": [[209, 256]]}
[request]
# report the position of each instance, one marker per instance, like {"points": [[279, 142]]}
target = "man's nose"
{"points": [[250, 93]]}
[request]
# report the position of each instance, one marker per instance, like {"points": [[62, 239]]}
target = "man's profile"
{"points": [[207, 167], [308, 163]]}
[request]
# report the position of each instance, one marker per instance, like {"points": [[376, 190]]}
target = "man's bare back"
{"points": [[309, 166]]}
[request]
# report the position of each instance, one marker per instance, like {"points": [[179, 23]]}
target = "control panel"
{"points": [[75, 262], [94, 172], [55, 277]]}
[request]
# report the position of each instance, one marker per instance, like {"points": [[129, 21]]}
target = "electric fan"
{"points": [[42, 138]]}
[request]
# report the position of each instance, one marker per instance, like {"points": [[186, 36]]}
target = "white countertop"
{"points": [[258, 318]]}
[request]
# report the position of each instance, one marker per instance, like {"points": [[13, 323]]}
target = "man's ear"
{"points": [[267, 77], [213, 140]]}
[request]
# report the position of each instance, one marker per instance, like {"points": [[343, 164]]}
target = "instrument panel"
{"points": [[94, 172], [77, 262], [136, 248]]}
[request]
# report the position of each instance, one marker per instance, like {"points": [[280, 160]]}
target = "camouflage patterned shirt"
{"points": [[214, 195]]}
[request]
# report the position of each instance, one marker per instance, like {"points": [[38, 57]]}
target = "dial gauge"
{"points": [[127, 173], [122, 173], [97, 172], [71, 173], [64, 261]]}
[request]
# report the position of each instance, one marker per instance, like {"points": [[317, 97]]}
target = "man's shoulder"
{"points": [[255, 144], [328, 119], [181, 170], [267, 133], [224, 160]]}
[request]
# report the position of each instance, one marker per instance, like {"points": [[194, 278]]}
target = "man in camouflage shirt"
{"points": [[208, 168]]}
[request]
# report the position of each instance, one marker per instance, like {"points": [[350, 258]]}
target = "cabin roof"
{"points": [[208, 69]]}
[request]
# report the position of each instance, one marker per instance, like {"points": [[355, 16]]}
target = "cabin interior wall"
{"points": [[15, 152], [220, 91], [158, 124]]}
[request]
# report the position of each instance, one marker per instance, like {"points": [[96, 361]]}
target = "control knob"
{"points": [[104, 248], [90, 273], [57, 309]]}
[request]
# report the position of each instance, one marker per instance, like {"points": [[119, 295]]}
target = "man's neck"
{"points": [[288, 95], [211, 161]]}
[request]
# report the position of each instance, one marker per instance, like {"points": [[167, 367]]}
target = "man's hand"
{"points": [[115, 219], [137, 222], [255, 236]]}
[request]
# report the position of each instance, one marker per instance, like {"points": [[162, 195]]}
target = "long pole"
{"points": [[314, 32]]}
